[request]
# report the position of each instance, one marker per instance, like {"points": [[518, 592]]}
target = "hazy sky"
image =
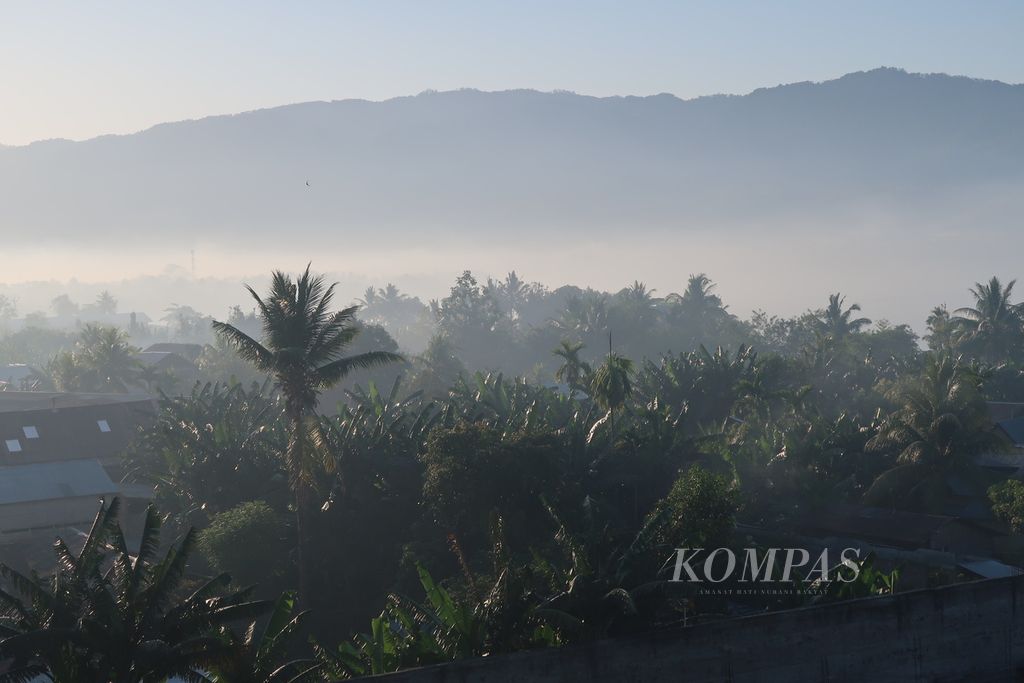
{"points": [[78, 69]]}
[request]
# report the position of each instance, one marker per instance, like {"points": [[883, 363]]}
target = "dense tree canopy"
{"points": [[517, 481]]}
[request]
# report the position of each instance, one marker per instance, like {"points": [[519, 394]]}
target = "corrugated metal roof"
{"points": [[15, 372], [53, 481], [187, 351], [888, 527], [149, 358], [991, 569], [15, 401], [1014, 429], [164, 359], [69, 433]]}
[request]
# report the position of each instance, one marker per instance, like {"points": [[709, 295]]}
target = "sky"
{"points": [[76, 70]]}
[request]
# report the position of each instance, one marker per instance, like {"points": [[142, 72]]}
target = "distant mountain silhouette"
{"points": [[487, 163]]}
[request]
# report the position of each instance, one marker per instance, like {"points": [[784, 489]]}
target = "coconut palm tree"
{"points": [[512, 293], [106, 303], [638, 293], [941, 330], [698, 305], [837, 323], [302, 350], [584, 315], [370, 297], [993, 327], [574, 371], [941, 424], [104, 360], [698, 295], [611, 385]]}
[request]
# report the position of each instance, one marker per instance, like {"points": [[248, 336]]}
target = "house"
{"points": [[1012, 429], [43, 426], [1009, 462], [171, 364], [50, 495], [15, 375], [1005, 410], [900, 530], [59, 454], [189, 352]]}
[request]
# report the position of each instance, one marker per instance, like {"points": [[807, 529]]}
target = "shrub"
{"points": [[1008, 503], [700, 509], [244, 541]]}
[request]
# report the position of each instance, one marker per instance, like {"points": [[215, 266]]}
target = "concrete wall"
{"points": [[968, 632]]}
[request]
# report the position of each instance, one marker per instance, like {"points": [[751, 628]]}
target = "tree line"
{"points": [[438, 512]]}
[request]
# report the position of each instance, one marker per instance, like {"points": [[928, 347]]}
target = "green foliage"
{"points": [[992, 329], [34, 346], [304, 341], [942, 421], [303, 350], [1008, 503], [611, 385], [105, 303], [603, 582], [561, 506], [8, 308], [470, 472], [261, 654], [440, 628], [574, 372], [244, 541], [869, 581], [699, 511], [105, 615], [437, 368], [213, 449], [219, 362], [467, 306], [405, 317], [101, 360], [836, 323]]}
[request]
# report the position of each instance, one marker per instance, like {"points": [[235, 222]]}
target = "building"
{"points": [[1012, 429], [15, 375], [170, 364], [189, 352], [1005, 410], [900, 530], [1010, 461], [59, 454]]}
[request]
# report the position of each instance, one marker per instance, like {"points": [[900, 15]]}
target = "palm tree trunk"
{"points": [[303, 500], [303, 519]]}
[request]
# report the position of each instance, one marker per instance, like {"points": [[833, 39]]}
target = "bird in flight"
{"points": [[307, 183]]}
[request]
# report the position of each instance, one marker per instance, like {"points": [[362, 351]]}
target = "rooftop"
{"points": [[1014, 429], [187, 351], [13, 401], [54, 480], [877, 525], [38, 427]]}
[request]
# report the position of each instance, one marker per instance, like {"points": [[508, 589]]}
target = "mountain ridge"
{"points": [[462, 164], [766, 191], [431, 92]]}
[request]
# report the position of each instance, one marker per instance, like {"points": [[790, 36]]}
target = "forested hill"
{"points": [[477, 162]]}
